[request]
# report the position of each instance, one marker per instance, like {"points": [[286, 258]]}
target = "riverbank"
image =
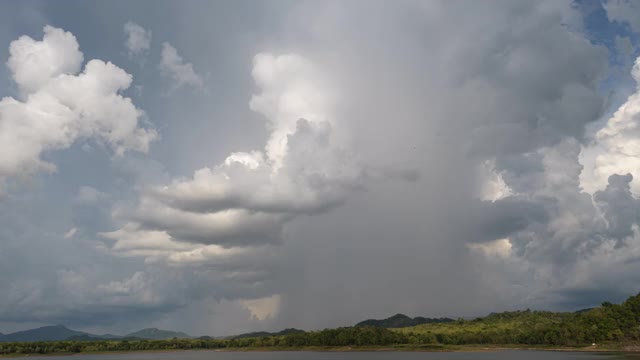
{"points": [[607, 348]]}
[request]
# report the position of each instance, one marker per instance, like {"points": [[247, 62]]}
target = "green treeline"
{"points": [[608, 324], [352, 336]]}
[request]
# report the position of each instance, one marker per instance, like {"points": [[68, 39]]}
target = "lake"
{"points": [[212, 355]]}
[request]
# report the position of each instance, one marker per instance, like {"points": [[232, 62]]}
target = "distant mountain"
{"points": [[583, 310], [157, 334], [60, 332], [265, 333], [400, 321], [46, 333]]}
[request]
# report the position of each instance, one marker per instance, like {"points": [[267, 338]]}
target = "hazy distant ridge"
{"points": [[46, 333], [265, 333], [157, 334], [401, 321], [60, 332]]}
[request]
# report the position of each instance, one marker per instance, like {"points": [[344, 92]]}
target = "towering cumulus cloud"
{"points": [[619, 139], [567, 237], [60, 102], [246, 200], [528, 194]]}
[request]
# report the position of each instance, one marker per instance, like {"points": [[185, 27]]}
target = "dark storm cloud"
{"points": [[619, 206], [277, 195], [501, 218]]}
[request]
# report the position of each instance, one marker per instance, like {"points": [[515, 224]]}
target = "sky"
{"points": [[219, 167]]}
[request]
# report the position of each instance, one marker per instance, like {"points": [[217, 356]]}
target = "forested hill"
{"points": [[609, 323], [401, 321], [60, 332], [609, 326], [46, 333], [265, 334]]}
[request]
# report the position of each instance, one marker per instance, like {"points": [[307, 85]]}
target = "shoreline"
{"points": [[434, 348]]}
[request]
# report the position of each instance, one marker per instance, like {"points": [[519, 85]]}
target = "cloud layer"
{"points": [[485, 151]]}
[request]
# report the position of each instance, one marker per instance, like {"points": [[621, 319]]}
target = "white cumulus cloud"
{"points": [[179, 72], [618, 142], [138, 40], [60, 105], [246, 200]]}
